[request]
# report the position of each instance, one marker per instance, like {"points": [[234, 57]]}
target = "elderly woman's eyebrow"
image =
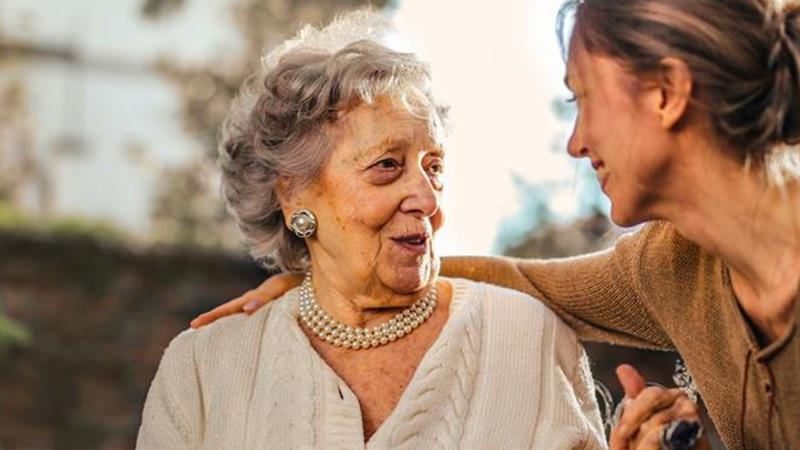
{"points": [[371, 149], [437, 150]]}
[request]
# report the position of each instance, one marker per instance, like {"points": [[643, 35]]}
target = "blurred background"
{"points": [[112, 231]]}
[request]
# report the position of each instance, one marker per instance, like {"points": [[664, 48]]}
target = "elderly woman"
{"points": [[332, 164]]}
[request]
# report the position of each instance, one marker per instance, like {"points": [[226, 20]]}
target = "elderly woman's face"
{"points": [[377, 200]]}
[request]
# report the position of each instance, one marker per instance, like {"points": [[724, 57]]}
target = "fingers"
{"points": [[226, 309], [252, 300], [645, 417], [649, 401], [651, 440], [682, 409], [615, 441], [649, 434], [631, 380], [273, 288], [647, 410], [632, 383]]}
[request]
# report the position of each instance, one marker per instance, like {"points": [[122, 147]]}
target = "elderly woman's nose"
{"points": [[422, 197]]}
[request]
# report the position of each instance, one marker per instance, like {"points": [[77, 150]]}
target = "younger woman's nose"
{"points": [[576, 146]]}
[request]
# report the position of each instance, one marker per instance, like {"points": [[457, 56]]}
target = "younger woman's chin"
{"points": [[625, 219]]}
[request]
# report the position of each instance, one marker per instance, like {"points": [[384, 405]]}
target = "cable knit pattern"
{"points": [[451, 362], [505, 372]]}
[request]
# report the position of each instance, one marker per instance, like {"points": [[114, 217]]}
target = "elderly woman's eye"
{"points": [[388, 164], [436, 168]]}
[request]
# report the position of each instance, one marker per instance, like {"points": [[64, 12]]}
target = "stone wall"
{"points": [[100, 316]]}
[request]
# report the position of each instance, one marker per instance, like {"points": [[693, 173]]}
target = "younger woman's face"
{"points": [[619, 129]]}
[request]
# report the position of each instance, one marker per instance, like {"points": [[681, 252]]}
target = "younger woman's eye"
{"points": [[572, 99]]}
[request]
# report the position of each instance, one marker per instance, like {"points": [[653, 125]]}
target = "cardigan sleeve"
{"points": [[172, 410], [599, 295], [583, 383], [578, 410]]}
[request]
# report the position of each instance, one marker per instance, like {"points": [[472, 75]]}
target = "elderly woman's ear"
{"points": [[288, 197], [298, 215]]}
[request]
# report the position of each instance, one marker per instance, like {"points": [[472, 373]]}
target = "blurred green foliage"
{"points": [[12, 333]]}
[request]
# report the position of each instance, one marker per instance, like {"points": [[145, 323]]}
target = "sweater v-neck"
{"points": [[759, 351], [347, 407]]}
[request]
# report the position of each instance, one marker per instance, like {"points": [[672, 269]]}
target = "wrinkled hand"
{"points": [[251, 300], [647, 411]]}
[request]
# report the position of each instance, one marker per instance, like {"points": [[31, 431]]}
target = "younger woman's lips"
{"points": [[603, 179]]}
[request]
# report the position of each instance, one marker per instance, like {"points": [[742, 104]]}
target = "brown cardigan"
{"points": [[657, 289]]}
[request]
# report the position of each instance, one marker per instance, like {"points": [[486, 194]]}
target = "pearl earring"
{"points": [[303, 223]]}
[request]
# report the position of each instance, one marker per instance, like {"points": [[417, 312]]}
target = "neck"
{"points": [[751, 224], [362, 303]]}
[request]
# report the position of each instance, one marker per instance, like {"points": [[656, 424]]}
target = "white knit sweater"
{"points": [[505, 373]]}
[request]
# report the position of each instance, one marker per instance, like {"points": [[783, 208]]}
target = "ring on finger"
{"points": [[681, 435]]}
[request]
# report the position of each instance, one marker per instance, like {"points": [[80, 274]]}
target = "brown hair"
{"points": [[744, 56]]}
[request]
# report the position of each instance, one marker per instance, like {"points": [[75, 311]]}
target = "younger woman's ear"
{"points": [[675, 84]]}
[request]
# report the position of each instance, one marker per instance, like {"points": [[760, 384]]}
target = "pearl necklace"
{"points": [[336, 333]]}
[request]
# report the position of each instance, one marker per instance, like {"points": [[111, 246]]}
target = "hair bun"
{"points": [[781, 118]]}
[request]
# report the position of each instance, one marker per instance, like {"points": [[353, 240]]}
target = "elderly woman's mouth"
{"points": [[415, 243]]}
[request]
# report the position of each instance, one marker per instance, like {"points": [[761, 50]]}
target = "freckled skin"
{"points": [[381, 183], [361, 214]]}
